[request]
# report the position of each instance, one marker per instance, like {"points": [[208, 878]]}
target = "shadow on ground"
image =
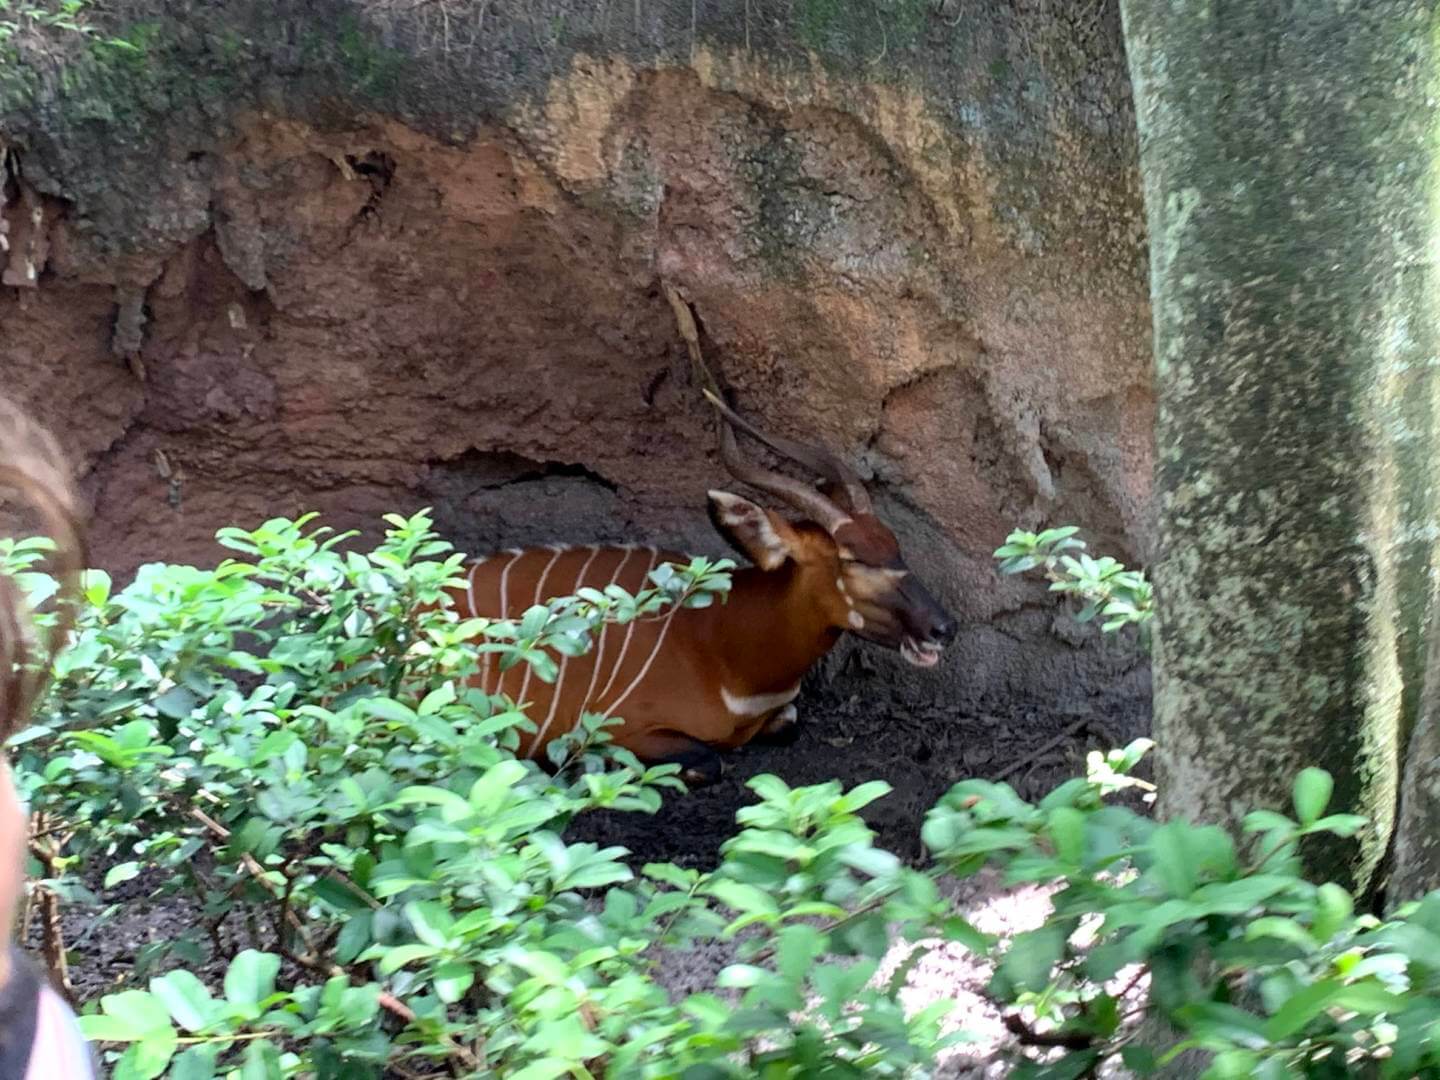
{"points": [[920, 752]]}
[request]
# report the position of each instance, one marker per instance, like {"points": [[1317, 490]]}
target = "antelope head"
{"points": [[844, 557]]}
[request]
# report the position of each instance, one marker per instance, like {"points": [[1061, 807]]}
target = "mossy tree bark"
{"points": [[1286, 152]]}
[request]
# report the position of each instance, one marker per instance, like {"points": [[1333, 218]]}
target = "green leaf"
{"points": [[394, 711], [672, 875], [1313, 788], [121, 872], [1369, 998], [186, 997], [99, 1028], [1139, 1059], [1266, 821], [1302, 1007], [743, 898], [863, 795], [338, 895], [959, 929], [741, 976], [431, 922], [176, 703], [262, 1061], [1032, 955], [148, 1057], [354, 937], [1170, 847], [396, 958], [250, 979], [545, 1069], [1340, 824], [1067, 829], [546, 967], [1282, 929], [437, 699], [142, 1012], [1333, 909], [489, 792], [452, 981], [424, 795], [197, 1063], [1218, 1026], [594, 875], [96, 586]]}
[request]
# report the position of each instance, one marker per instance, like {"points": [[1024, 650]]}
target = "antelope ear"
{"points": [[764, 538], [837, 494]]}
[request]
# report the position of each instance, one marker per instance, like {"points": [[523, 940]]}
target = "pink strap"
{"points": [[60, 1051]]}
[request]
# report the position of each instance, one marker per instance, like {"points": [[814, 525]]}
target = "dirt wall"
{"points": [[361, 258]]}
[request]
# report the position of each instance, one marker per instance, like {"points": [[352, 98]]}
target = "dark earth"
{"points": [[919, 751]]}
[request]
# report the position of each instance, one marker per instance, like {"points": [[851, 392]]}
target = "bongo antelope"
{"points": [[697, 680]]}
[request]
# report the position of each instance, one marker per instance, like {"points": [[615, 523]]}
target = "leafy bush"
{"points": [[287, 741], [1274, 976], [1121, 597]]}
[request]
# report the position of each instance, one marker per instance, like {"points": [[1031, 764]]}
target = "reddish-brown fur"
{"points": [[693, 680], [672, 667]]}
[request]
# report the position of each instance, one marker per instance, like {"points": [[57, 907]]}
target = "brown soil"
{"points": [[920, 751]]}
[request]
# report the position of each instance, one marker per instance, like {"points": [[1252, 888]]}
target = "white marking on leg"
{"points": [[857, 621], [630, 633], [564, 662], [752, 705]]}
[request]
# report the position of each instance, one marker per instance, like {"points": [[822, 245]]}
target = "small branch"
{"points": [[1028, 1036], [310, 959], [49, 904], [1034, 755]]}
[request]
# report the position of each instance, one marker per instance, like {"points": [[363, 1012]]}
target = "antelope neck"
{"points": [[773, 633]]}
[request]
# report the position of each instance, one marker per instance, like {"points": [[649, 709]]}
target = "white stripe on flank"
{"points": [[564, 661], [470, 586], [629, 633], [515, 554], [659, 641], [604, 629], [557, 550]]}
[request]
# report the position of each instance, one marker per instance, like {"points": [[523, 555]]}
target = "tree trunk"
{"points": [[1286, 158]]}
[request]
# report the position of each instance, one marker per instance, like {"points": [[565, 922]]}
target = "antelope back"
{"points": [[620, 660]]}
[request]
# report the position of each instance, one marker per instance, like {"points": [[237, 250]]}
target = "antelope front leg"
{"points": [[699, 765], [782, 729]]}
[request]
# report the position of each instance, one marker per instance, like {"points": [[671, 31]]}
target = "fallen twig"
{"points": [[1034, 755], [1028, 1036]]}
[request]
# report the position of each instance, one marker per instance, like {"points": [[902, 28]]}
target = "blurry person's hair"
{"points": [[34, 480]]}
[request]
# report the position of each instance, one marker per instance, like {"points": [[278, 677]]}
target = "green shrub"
{"points": [[1121, 597], [289, 738], [289, 741], [1273, 975]]}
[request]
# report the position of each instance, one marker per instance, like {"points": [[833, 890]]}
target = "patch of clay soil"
{"points": [[919, 751]]}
